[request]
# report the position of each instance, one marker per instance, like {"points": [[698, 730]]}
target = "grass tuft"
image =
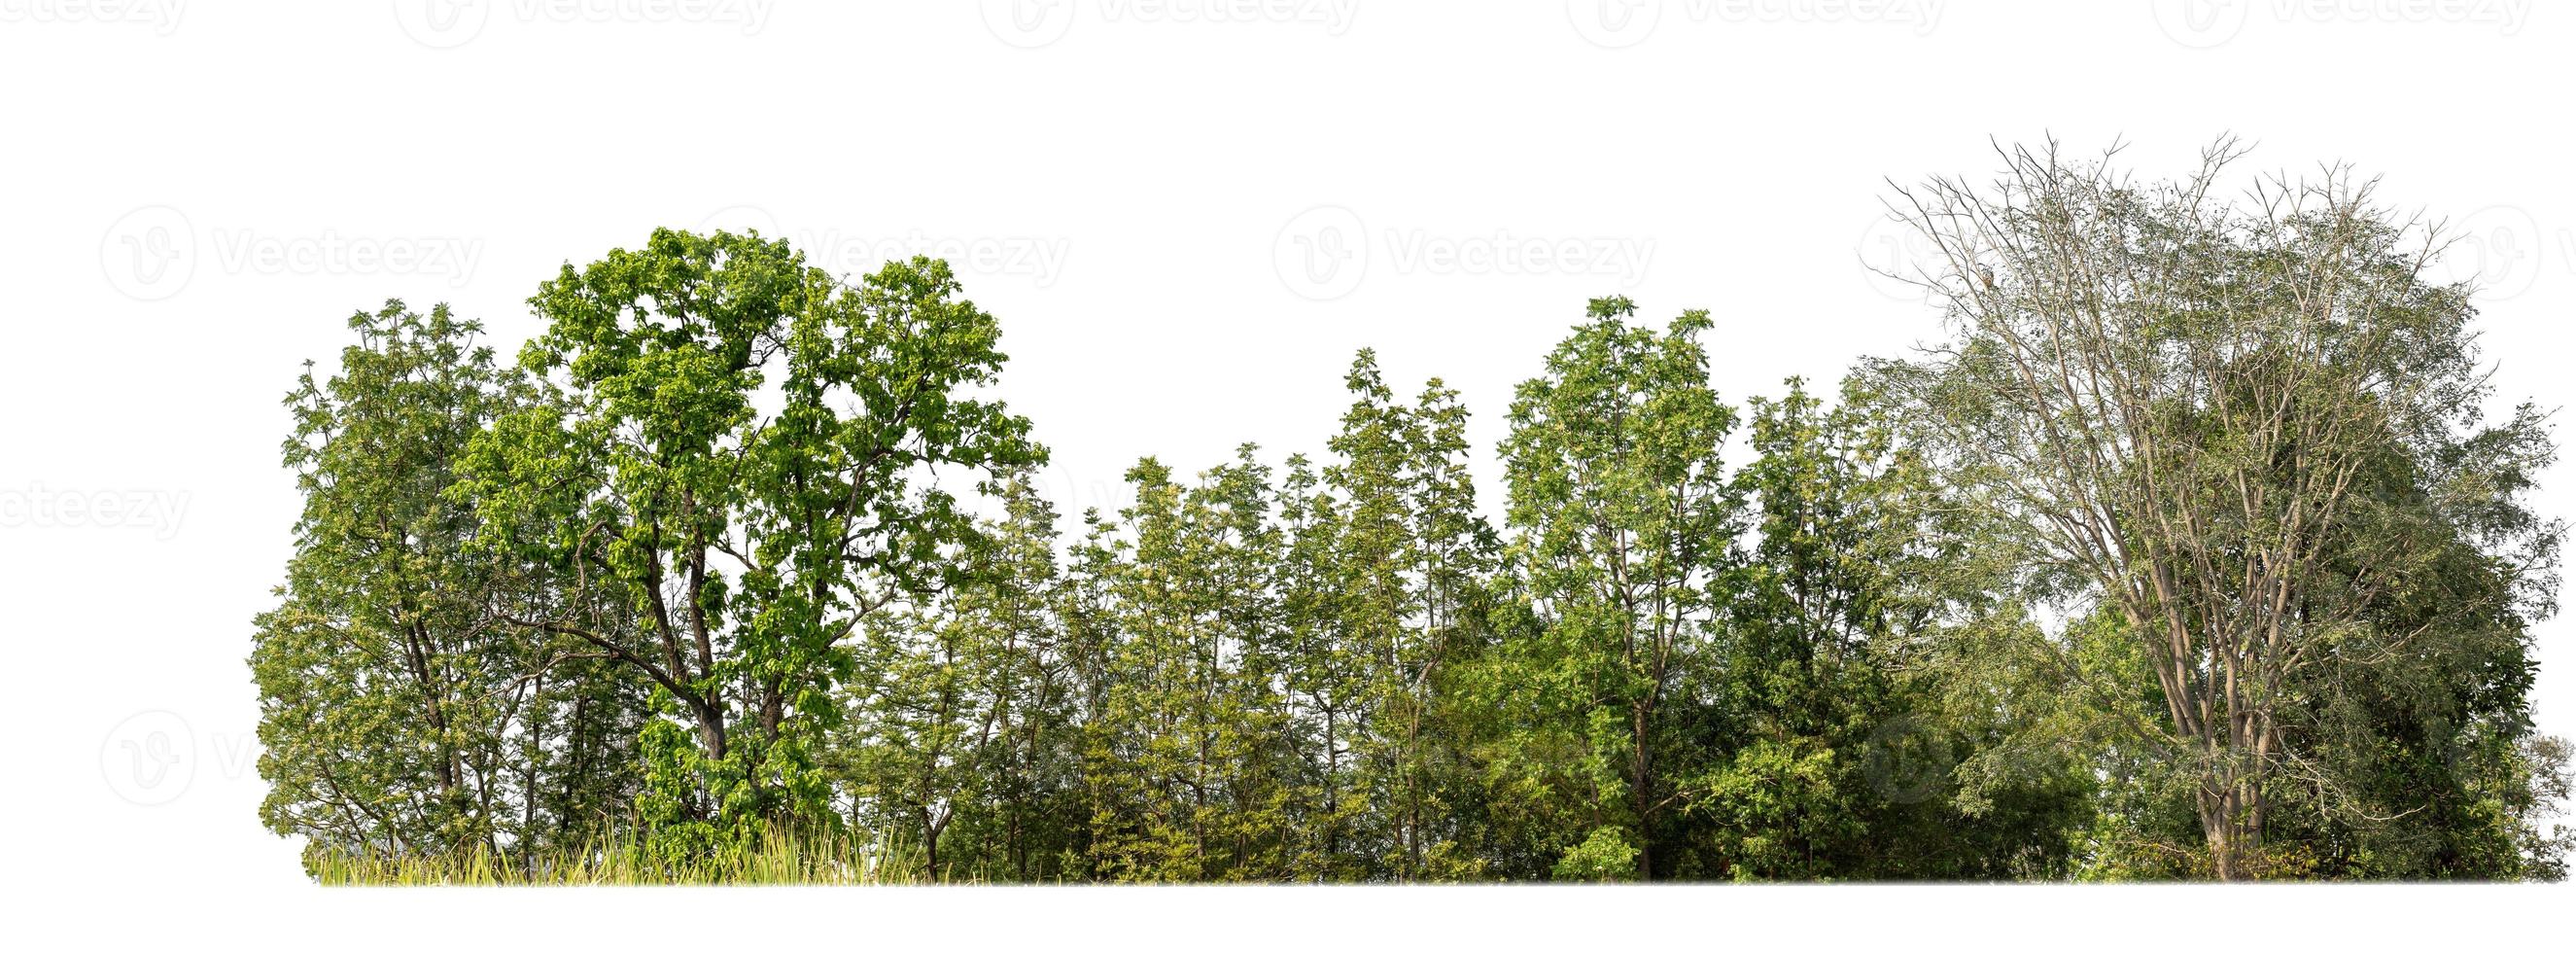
{"points": [[781, 858]]}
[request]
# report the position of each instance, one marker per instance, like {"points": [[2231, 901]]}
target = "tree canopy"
{"points": [[2191, 552]]}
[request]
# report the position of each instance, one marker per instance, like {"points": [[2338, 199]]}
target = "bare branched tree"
{"points": [[2171, 407]]}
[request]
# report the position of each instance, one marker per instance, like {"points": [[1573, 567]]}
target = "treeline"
{"points": [[2189, 554]]}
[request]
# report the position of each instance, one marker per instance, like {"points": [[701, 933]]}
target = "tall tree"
{"points": [[745, 532], [1840, 760], [960, 708], [1627, 528], [1405, 568], [1813, 632], [2170, 406], [397, 714], [1188, 756]]}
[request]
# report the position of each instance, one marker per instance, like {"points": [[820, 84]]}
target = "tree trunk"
{"points": [[1637, 798], [2231, 822], [2222, 854], [930, 831], [711, 729]]}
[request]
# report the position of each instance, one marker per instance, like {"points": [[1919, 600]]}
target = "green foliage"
{"points": [[2238, 455], [1604, 856], [397, 713], [735, 579], [1186, 759], [1628, 531], [961, 726]]}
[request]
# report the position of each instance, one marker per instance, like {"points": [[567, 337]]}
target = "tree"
{"points": [[1338, 619], [2170, 407], [1188, 756], [397, 714], [1840, 762], [1385, 573], [2413, 751], [1627, 528], [960, 707], [2190, 555], [1411, 460], [1813, 643], [739, 534]]}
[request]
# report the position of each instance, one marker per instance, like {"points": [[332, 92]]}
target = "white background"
{"points": [[1187, 216]]}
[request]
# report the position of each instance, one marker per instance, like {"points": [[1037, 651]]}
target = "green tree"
{"points": [[1813, 633], [1627, 532], [1188, 758], [960, 708], [1406, 568], [1842, 762], [740, 537], [397, 714], [2193, 554]]}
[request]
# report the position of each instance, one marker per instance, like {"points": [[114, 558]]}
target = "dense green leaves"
{"points": [[399, 711], [737, 559], [737, 537], [1627, 527]]}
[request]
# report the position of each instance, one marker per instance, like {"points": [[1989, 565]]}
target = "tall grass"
{"points": [[782, 857]]}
